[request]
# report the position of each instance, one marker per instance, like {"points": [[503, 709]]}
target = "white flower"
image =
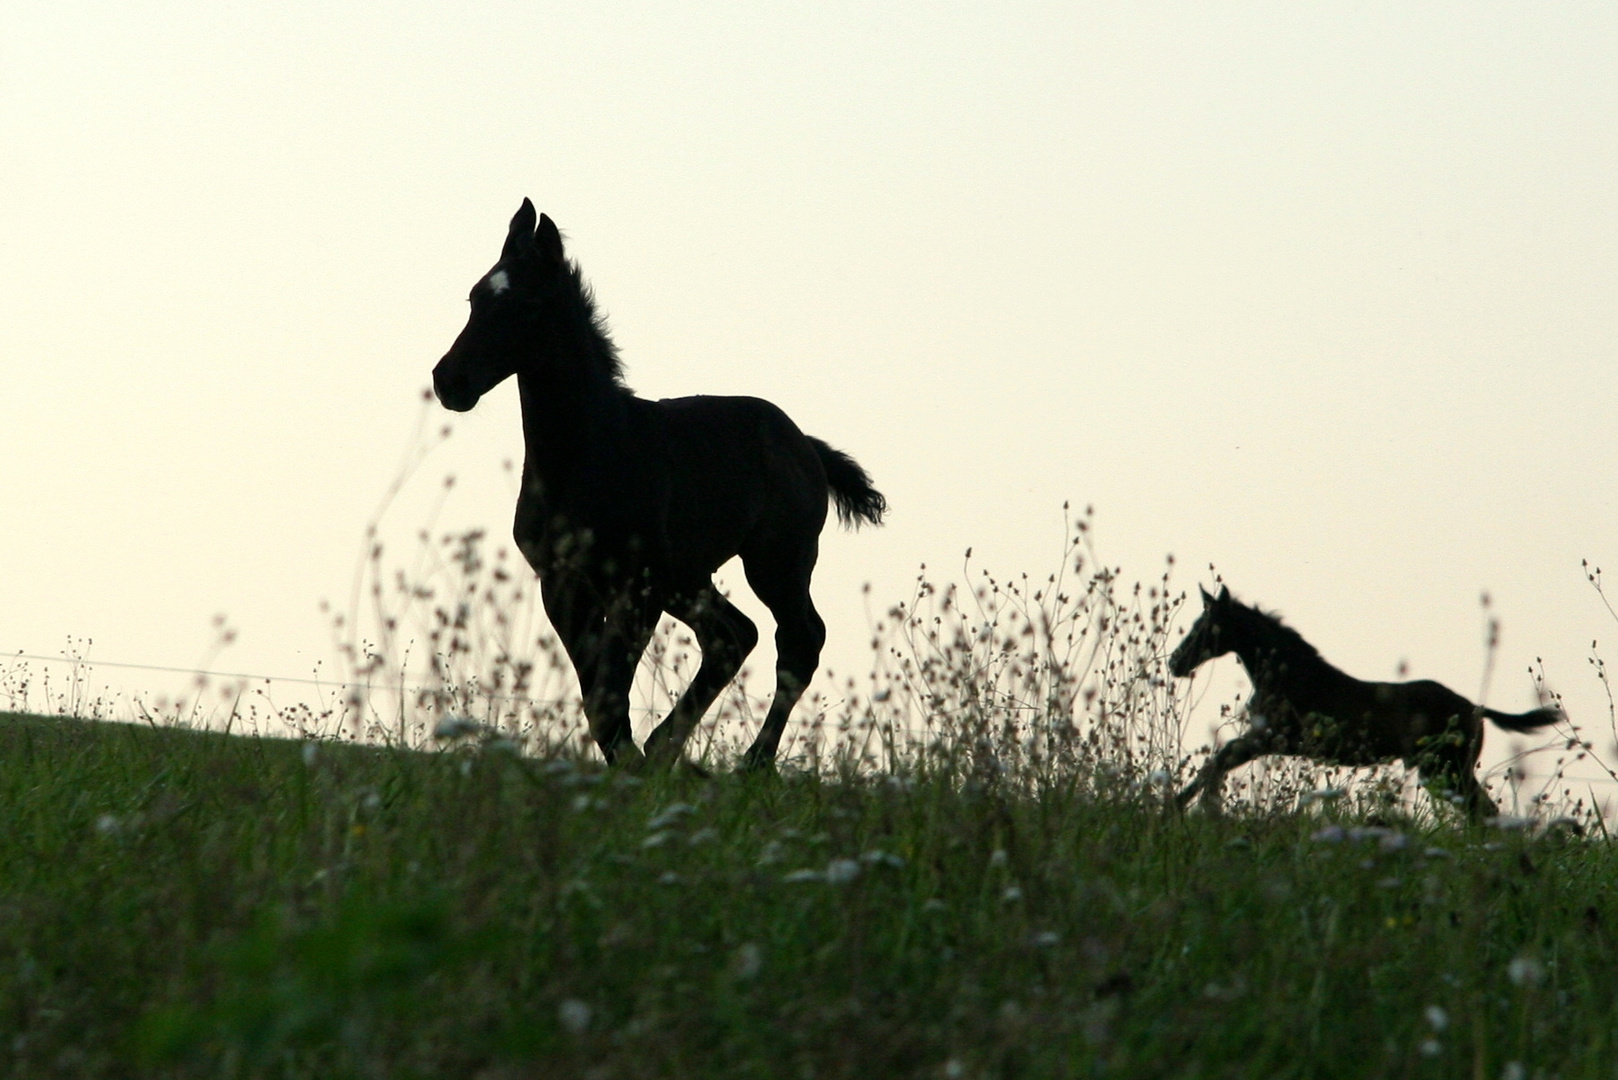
{"points": [[1437, 1017], [746, 961], [106, 824], [842, 871], [574, 1015], [311, 750], [1012, 894], [1525, 971], [670, 816], [657, 839], [998, 858], [1513, 1070], [1045, 939], [1508, 822], [1159, 778], [1430, 1048], [453, 727], [770, 854], [1331, 834], [798, 877]]}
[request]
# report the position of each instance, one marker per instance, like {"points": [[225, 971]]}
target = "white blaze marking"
{"points": [[499, 282]]}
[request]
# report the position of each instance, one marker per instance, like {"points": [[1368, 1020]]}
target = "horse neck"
{"points": [[1276, 660], [569, 410]]}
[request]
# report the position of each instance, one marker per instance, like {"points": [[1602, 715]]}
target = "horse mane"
{"points": [[602, 350], [1279, 632]]}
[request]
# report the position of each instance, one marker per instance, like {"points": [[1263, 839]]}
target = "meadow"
{"points": [[181, 904], [970, 869]]}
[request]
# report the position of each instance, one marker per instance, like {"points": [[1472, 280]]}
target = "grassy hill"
{"points": [[182, 904]]}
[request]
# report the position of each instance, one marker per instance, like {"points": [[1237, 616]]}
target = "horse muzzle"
{"points": [[453, 389]]}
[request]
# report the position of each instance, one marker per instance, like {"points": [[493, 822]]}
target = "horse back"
{"points": [[1354, 722], [736, 469]]}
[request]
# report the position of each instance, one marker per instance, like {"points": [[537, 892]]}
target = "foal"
{"points": [[1302, 705], [628, 506]]}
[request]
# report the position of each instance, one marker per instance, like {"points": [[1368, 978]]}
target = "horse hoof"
{"points": [[757, 763]]}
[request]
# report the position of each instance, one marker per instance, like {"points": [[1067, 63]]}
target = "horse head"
{"points": [[512, 307], [1208, 637]]}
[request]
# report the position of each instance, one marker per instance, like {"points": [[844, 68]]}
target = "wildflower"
{"points": [[670, 816], [746, 962], [669, 877], [311, 750], [702, 836], [657, 839], [842, 871], [1436, 1017], [1159, 778], [875, 856], [1513, 1070], [1525, 971], [454, 727], [1394, 841], [1508, 822], [1045, 939], [798, 877], [771, 853], [998, 859], [954, 1069], [1430, 1048], [574, 1015], [1012, 894], [1331, 834], [934, 904], [107, 825]]}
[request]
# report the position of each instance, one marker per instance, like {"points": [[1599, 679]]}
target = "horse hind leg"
{"points": [[799, 635], [725, 636]]}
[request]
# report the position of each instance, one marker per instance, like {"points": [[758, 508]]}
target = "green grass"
{"points": [[180, 904]]}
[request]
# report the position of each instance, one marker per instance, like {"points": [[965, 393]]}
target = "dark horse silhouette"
{"points": [[629, 506], [1302, 705]]}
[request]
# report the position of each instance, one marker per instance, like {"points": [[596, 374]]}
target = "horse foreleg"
{"points": [[1208, 781], [604, 642], [725, 636]]}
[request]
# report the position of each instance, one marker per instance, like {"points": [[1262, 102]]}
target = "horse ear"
{"points": [[520, 237], [549, 239], [1207, 601], [1224, 594]]}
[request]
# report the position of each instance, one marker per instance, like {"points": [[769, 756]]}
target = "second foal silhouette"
{"points": [[628, 506], [1302, 705]]}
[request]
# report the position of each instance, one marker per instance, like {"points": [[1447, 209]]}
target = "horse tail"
{"points": [[1528, 721], [851, 489]]}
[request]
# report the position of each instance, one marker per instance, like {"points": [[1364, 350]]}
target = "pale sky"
{"points": [[1324, 294]]}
